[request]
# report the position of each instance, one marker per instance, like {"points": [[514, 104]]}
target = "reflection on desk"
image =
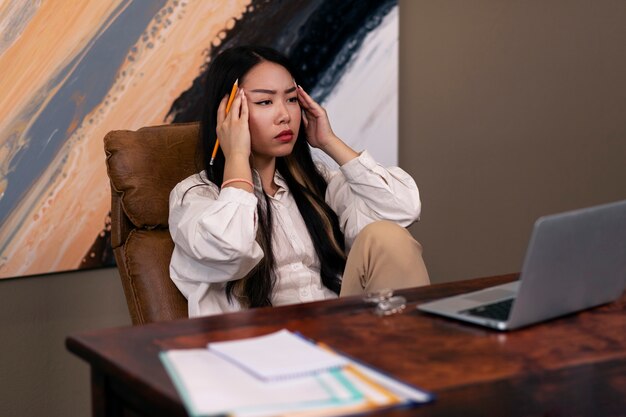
{"points": [[575, 365]]}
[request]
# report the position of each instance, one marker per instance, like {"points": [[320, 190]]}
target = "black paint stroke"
{"points": [[320, 37]]}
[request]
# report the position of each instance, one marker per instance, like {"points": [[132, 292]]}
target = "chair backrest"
{"points": [[144, 166]]}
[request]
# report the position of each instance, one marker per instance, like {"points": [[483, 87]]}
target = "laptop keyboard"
{"points": [[497, 311]]}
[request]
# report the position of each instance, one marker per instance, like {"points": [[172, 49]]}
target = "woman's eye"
{"points": [[293, 99], [264, 102]]}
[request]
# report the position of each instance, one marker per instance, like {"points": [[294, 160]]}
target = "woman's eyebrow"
{"points": [[262, 90]]}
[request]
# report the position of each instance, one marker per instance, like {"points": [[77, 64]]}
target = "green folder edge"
{"points": [[182, 391]]}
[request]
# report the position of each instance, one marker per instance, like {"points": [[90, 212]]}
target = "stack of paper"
{"points": [[279, 374]]}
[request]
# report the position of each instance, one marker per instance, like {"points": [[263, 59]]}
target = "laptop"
{"points": [[574, 261]]}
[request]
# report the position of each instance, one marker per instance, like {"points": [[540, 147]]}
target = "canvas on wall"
{"points": [[71, 71]]}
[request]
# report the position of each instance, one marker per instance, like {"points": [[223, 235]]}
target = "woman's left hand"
{"points": [[318, 131]]}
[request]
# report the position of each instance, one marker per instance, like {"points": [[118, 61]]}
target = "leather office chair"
{"points": [[144, 166]]}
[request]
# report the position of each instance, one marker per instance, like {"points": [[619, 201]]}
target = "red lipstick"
{"points": [[284, 136]]}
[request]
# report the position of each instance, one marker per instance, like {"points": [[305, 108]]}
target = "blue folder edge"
{"points": [[416, 395], [186, 399], [178, 384]]}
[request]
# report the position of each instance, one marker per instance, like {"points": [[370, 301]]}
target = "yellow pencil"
{"points": [[230, 102]]}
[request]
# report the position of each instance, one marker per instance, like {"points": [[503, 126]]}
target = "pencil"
{"points": [[230, 102]]}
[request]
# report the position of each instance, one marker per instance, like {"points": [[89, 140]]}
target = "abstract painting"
{"points": [[71, 71]]}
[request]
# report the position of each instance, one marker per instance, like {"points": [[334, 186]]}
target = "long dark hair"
{"points": [[305, 182]]}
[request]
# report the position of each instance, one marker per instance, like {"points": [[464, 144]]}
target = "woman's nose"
{"points": [[282, 114]]}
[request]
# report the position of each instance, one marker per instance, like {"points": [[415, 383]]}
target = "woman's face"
{"points": [[274, 112]]}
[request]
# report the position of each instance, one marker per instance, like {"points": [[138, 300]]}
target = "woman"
{"points": [[264, 225]]}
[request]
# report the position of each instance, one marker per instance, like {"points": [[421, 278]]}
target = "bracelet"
{"points": [[230, 181]]}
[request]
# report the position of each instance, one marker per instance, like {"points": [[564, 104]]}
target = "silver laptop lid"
{"points": [[575, 260]]}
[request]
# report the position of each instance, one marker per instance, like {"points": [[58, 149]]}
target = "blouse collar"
{"points": [[278, 179]]}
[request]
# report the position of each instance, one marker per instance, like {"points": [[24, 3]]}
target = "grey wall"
{"points": [[509, 110], [38, 377]]}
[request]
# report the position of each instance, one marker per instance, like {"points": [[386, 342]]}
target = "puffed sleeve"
{"points": [[214, 234], [363, 191]]}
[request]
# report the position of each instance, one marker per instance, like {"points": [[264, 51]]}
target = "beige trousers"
{"points": [[384, 255]]}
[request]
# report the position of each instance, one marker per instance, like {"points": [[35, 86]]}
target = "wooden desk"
{"points": [[573, 366]]}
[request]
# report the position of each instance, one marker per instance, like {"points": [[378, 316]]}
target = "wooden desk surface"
{"points": [[572, 366]]}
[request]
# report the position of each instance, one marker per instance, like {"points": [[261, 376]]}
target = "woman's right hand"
{"points": [[232, 128]]}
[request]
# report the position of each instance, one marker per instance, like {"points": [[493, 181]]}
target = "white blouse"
{"points": [[214, 231]]}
